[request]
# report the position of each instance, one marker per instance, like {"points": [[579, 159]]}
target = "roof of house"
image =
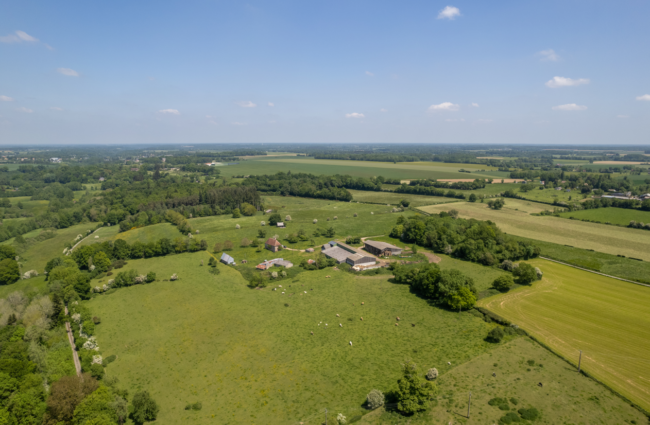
{"points": [[273, 242], [284, 263], [227, 258], [380, 245], [347, 247], [337, 253]]}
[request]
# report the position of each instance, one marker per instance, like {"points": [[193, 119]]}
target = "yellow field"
{"points": [[572, 310], [599, 237]]}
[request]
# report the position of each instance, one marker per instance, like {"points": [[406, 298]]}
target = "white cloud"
{"points": [[238, 123], [25, 110], [474, 105], [17, 37], [445, 106], [246, 104], [370, 74], [383, 110], [569, 107], [354, 115], [449, 12], [271, 104], [557, 82], [644, 97], [68, 72], [169, 111], [549, 55], [622, 116], [6, 99], [56, 108]]}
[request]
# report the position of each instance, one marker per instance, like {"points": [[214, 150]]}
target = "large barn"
{"points": [[361, 260], [381, 249]]}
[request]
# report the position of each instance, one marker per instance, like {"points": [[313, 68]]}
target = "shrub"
{"points": [[514, 401], [356, 215], [501, 403], [110, 359], [197, 406], [227, 246], [375, 399], [218, 247], [96, 320], [274, 219], [508, 265], [151, 276], [236, 213], [274, 275], [529, 414], [413, 395], [144, 407], [432, 374], [509, 418], [496, 334], [245, 243], [248, 209], [405, 203], [503, 283], [174, 277]]}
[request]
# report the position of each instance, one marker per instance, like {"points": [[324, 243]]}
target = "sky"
{"points": [[325, 71]]}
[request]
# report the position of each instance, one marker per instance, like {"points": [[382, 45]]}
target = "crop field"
{"points": [[396, 198], [572, 310], [566, 397], [599, 237], [366, 169], [598, 261], [620, 216], [249, 356]]}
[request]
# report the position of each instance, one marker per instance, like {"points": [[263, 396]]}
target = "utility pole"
{"points": [[326, 416], [469, 404], [579, 361]]}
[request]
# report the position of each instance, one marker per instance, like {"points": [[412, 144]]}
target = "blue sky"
{"points": [[561, 72]]}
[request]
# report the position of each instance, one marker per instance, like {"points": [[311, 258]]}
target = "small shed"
{"points": [[280, 224], [227, 259]]}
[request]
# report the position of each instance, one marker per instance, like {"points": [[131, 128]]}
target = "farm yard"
{"points": [[613, 240], [572, 310]]}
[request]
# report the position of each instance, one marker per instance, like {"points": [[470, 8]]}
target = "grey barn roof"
{"points": [[381, 245], [337, 253], [357, 257]]}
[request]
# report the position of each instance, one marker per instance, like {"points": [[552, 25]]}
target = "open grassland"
{"points": [[599, 237], [566, 397], [625, 268], [35, 284], [620, 216], [396, 198], [456, 166], [572, 310], [250, 359], [407, 170]]}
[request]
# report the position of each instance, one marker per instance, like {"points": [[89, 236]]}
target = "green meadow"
{"points": [[402, 170], [396, 198], [572, 310], [249, 356], [619, 216]]}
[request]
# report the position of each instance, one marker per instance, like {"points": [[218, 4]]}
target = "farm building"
{"points": [[360, 260], [267, 264], [339, 254], [284, 263], [347, 247], [309, 250], [381, 249], [227, 259], [328, 245], [280, 224], [272, 245]]}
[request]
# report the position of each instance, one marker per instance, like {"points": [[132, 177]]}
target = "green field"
{"points": [[620, 216], [598, 261], [396, 198], [572, 310], [250, 359], [404, 170], [599, 237], [566, 397]]}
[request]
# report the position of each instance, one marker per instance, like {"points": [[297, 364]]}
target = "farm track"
{"points": [[75, 355]]}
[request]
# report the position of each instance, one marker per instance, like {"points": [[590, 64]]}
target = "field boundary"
{"points": [[595, 272]]}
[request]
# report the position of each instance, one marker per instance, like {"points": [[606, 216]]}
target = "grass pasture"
{"points": [[405, 170], [613, 240], [566, 397], [619, 216], [396, 198], [250, 359], [572, 310]]}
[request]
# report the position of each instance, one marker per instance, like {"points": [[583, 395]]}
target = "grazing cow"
{"points": [[398, 319], [312, 332], [350, 343]]}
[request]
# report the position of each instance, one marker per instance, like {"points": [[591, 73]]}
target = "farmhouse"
{"points": [[227, 259], [272, 245], [360, 260], [381, 249]]}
